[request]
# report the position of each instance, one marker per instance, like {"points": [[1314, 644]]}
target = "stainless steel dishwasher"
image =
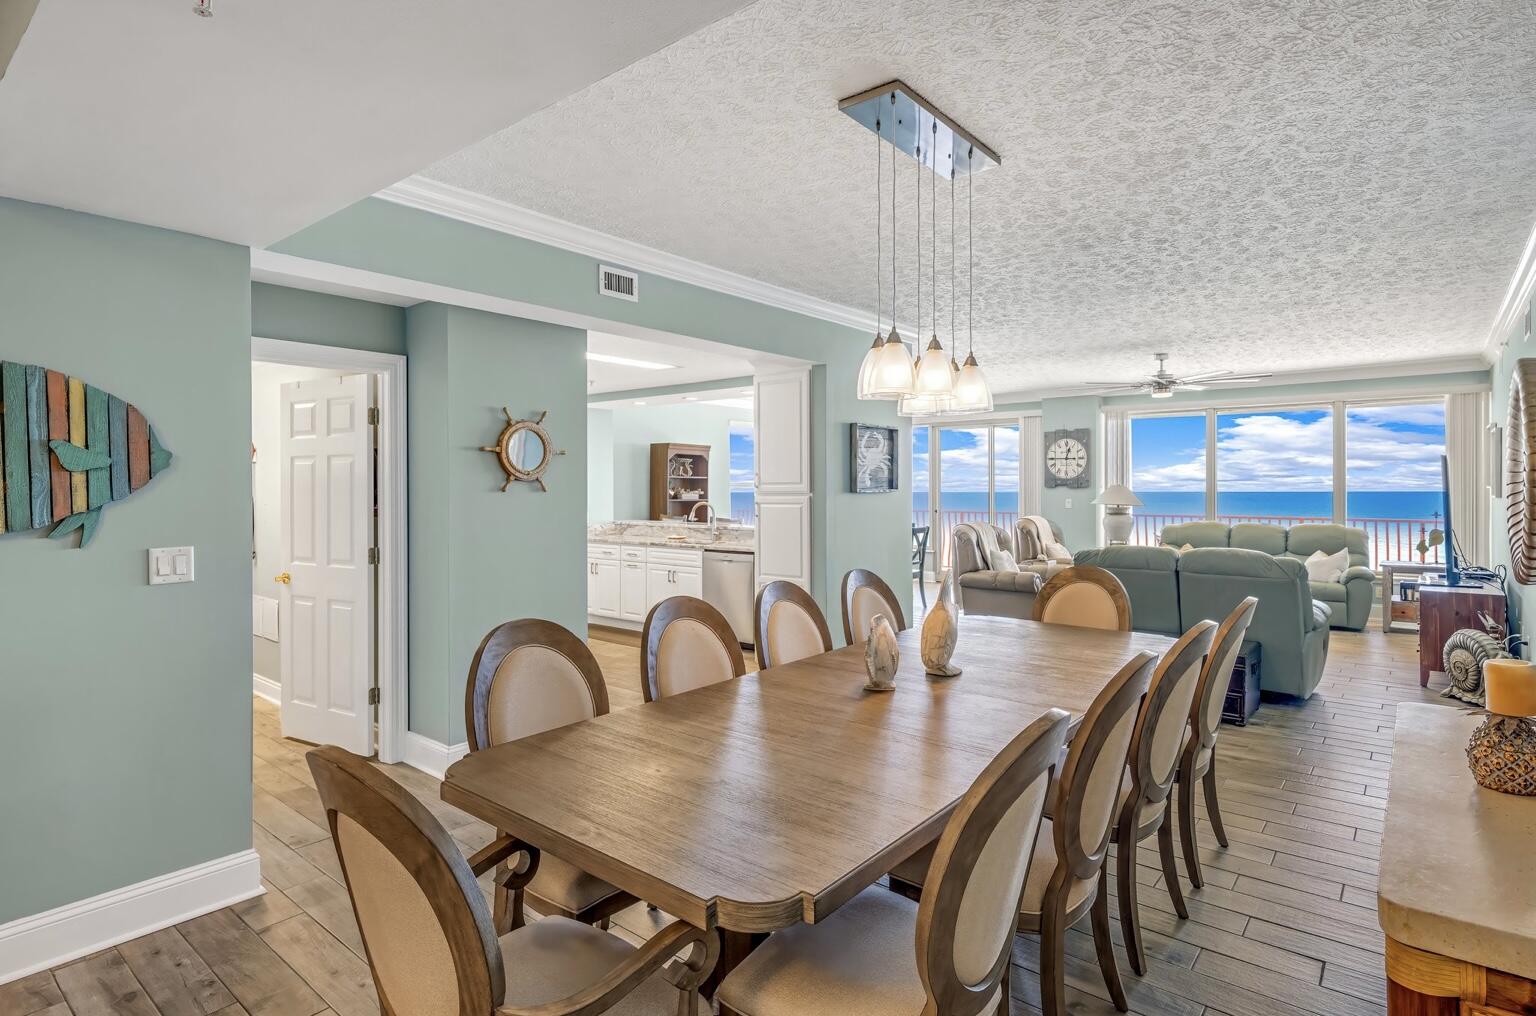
{"points": [[728, 581]]}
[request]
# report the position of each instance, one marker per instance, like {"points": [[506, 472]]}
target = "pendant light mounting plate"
{"points": [[908, 124]]}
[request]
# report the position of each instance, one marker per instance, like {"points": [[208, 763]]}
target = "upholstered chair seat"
{"points": [[568, 887], [788, 625], [554, 958], [686, 644], [1084, 596], [866, 594]]}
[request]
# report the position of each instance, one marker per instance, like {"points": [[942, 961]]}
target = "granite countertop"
{"points": [[727, 536], [1458, 875]]}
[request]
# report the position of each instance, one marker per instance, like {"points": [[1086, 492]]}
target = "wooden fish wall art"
{"points": [[67, 450]]}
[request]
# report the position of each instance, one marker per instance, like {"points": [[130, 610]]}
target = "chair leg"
{"points": [[1125, 887], [1170, 869], [1053, 958], [508, 913], [1005, 997], [1187, 824], [1104, 946], [1211, 807]]}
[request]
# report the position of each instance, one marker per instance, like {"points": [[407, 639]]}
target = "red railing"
{"points": [[1387, 539]]}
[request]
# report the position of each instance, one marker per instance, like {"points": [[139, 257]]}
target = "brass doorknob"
{"points": [[284, 578]]}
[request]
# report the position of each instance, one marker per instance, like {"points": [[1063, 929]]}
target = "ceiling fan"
{"points": [[1162, 384]]}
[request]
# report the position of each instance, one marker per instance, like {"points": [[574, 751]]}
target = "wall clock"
{"points": [[1066, 457], [1520, 484]]}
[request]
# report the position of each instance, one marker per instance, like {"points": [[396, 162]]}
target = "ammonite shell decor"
{"points": [[1502, 755]]}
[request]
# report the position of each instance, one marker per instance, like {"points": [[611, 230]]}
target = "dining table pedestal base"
{"points": [[735, 946]]}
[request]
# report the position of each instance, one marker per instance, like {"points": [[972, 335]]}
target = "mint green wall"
{"points": [[848, 530], [600, 465], [278, 312], [125, 709], [1079, 523], [1521, 599], [480, 556], [635, 428]]}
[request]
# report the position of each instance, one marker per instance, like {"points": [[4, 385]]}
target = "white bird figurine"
{"points": [[941, 629], [881, 655]]}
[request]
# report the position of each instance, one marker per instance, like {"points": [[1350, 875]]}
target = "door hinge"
{"points": [[373, 415], [373, 555], [373, 695]]}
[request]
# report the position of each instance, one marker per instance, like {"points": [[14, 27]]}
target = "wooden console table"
{"points": [[1446, 609], [1457, 894]]}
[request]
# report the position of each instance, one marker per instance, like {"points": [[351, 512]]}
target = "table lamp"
{"points": [[1118, 501], [1502, 751]]}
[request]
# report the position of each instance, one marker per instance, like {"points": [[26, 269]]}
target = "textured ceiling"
{"points": [[1260, 185]]}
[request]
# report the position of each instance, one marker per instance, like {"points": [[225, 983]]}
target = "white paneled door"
{"points": [[327, 598], [782, 408]]}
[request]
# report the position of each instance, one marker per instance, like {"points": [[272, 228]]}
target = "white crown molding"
{"points": [[478, 210], [432, 757], [1516, 299], [1406, 369], [56, 936]]}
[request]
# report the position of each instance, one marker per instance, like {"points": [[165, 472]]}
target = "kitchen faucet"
{"points": [[713, 528]]}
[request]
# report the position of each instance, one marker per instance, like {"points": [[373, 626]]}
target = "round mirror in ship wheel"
{"points": [[1465, 653]]}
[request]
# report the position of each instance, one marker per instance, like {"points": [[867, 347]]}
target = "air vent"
{"points": [[618, 283]]}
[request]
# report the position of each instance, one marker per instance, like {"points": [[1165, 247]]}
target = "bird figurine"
{"points": [[941, 629], [881, 655]]}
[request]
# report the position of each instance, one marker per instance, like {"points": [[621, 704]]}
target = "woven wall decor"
{"points": [[1520, 474]]}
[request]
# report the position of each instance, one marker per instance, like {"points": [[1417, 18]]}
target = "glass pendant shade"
{"points": [[933, 376], [893, 374], [867, 369], [972, 393]]}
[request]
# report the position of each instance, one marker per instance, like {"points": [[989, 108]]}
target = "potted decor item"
{"points": [[941, 629], [1502, 751], [881, 655]]}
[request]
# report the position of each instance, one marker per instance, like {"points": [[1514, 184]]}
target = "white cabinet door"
{"points": [[633, 598], [603, 588], [658, 585], [784, 540], [782, 429], [688, 582], [326, 486]]}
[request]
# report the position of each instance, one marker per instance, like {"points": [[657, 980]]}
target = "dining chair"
{"points": [[865, 594], [1086, 596], [861, 960], [787, 625], [1067, 875], [1199, 749], [686, 644], [1146, 805], [428, 936], [920, 560], [529, 676]]}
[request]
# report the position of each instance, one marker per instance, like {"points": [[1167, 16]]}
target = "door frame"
{"points": [[393, 614]]}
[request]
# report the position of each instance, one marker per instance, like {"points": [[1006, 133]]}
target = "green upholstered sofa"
{"points": [[1349, 599], [1171, 591]]}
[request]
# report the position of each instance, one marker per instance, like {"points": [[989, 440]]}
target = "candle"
{"points": [[1511, 687]]}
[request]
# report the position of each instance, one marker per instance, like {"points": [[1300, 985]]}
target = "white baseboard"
{"points": [[432, 757], [265, 687], [56, 936]]}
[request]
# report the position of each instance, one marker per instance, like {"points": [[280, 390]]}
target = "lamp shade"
{"points": [[1118, 495], [925, 405], [972, 393], [893, 374], [933, 376], [867, 369]]}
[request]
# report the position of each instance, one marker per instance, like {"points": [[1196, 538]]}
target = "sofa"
{"points": [[1170, 591], [1350, 598], [983, 589]]}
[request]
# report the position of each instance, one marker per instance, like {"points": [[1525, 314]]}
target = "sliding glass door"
{"points": [[974, 468]]}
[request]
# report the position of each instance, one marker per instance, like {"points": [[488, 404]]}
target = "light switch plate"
{"points": [[1067, 503], [171, 564]]}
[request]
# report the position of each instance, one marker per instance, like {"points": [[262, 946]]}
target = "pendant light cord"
{"points": [[933, 236], [952, 170], [970, 261], [879, 229], [893, 216], [917, 220]]}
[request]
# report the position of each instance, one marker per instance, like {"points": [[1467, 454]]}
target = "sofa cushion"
{"points": [[1329, 592], [1014, 581], [1303, 539], [1001, 560], [1324, 567], [1256, 536], [1197, 534]]}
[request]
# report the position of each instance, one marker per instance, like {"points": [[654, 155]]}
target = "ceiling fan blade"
{"points": [[1241, 378], [1115, 384], [1119, 389], [1205, 375], [1185, 386]]}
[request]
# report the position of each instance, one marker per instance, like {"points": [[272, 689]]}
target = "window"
{"points": [[976, 467], [743, 473], [1275, 466], [1167, 472], [920, 476], [1392, 476]]}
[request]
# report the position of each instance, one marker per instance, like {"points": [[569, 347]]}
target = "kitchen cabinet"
{"points": [[625, 582], [603, 588], [633, 602]]}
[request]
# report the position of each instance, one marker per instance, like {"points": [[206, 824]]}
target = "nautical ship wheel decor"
{"points": [[523, 449]]}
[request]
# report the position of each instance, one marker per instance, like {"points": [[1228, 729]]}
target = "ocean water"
{"points": [[1365, 504]]}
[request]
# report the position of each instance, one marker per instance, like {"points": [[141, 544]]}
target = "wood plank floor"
{"points": [[1285, 926]]}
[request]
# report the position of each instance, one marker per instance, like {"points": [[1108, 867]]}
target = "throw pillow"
{"points": [[1327, 567], [1002, 560], [1054, 551]]}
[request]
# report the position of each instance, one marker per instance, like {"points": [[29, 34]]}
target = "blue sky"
{"points": [[1388, 448], [741, 456], [964, 451]]}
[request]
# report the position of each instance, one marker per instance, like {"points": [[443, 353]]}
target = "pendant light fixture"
{"points": [[933, 376], [933, 403], [872, 358], [972, 393], [893, 375]]}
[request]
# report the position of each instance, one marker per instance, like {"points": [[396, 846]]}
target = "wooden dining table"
{"points": [[758, 803]]}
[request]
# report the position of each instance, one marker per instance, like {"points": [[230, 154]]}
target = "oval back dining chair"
{"points": [[1199, 752], [529, 676], [865, 594], [1085, 596], [686, 644], [860, 960], [428, 938], [1148, 804], [787, 625]]}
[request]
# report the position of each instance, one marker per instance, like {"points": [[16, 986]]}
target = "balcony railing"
{"points": [[1386, 539], [939, 543]]}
